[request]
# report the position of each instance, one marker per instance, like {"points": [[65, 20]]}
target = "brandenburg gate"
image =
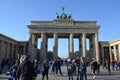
{"points": [[63, 27]]}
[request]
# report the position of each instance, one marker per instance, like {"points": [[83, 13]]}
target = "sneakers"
{"points": [[93, 77]]}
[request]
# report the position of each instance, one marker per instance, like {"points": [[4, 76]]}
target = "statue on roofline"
{"points": [[57, 16], [70, 15], [63, 15]]}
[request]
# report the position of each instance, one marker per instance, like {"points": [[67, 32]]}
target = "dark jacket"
{"points": [[46, 67], [94, 65], [26, 70], [82, 66]]}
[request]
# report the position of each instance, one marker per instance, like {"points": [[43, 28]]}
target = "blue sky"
{"points": [[15, 15]]}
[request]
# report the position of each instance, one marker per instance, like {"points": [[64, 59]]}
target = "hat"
{"points": [[82, 58]]}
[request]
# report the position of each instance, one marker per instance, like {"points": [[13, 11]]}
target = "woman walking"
{"points": [[45, 70]]}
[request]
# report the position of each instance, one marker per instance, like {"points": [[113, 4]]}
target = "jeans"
{"points": [[83, 75]]}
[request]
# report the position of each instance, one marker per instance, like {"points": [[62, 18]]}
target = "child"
{"points": [[70, 71]]}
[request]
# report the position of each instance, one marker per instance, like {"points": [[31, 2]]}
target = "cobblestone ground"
{"points": [[103, 75]]}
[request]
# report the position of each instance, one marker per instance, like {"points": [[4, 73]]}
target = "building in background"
{"points": [[61, 27]]}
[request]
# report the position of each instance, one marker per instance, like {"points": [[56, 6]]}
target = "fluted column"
{"points": [[29, 47], [71, 46], [43, 47], [80, 44], [110, 53], [24, 49], [115, 53], [17, 54], [103, 56], [84, 45], [96, 47], [55, 46], [119, 51], [33, 46], [5, 50], [91, 46], [12, 51], [2, 51], [8, 51]]}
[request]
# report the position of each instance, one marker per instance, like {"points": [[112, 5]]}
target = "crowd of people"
{"points": [[22, 69], [75, 67], [26, 69]]}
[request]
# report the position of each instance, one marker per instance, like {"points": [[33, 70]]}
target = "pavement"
{"points": [[103, 75]]}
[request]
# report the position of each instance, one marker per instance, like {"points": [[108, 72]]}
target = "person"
{"points": [[116, 66], [105, 64], [53, 67], [74, 67], [108, 64], [82, 69], [112, 63], [77, 61], [70, 70], [58, 66], [36, 70], [45, 70], [94, 67], [2, 65], [119, 65], [98, 69], [25, 70]]}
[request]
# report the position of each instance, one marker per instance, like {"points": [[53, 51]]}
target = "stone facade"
{"points": [[109, 50], [114, 48], [63, 28], [10, 48], [56, 29], [104, 51]]}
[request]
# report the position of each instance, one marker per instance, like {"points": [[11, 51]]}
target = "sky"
{"points": [[15, 15]]}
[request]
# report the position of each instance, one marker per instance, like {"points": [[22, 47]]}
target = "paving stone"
{"points": [[103, 75]]}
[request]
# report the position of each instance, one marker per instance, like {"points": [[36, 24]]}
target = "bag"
{"points": [[37, 71], [11, 78]]}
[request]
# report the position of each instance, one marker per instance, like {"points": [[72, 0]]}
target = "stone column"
{"points": [[119, 51], [2, 51], [24, 49], [80, 45], [33, 47], [110, 53], [29, 47], [97, 47], [12, 51], [5, 50], [43, 47], [8, 51], [91, 46], [55, 46], [71, 46], [17, 54], [115, 53], [103, 56], [84, 45]]}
